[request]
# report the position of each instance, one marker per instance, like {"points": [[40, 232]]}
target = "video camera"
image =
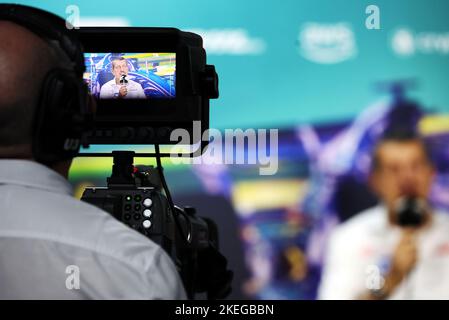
{"points": [[148, 82]]}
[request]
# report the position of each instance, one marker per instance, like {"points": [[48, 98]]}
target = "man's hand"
{"points": [[403, 261], [405, 255], [122, 92]]}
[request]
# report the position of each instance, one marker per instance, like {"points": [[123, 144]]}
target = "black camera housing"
{"points": [[135, 198], [190, 240], [142, 208], [151, 121]]}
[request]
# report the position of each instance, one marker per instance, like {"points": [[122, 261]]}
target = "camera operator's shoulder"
{"points": [[138, 266], [107, 224], [154, 266], [120, 240], [101, 232]]}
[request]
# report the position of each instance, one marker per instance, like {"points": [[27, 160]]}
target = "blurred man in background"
{"points": [[400, 248]]}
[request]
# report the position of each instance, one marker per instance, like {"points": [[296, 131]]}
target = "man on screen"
{"points": [[121, 87]]}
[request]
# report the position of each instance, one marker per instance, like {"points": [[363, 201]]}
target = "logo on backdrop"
{"points": [[405, 42], [236, 41], [327, 43]]}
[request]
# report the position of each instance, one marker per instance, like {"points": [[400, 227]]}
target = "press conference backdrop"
{"points": [[313, 70]]}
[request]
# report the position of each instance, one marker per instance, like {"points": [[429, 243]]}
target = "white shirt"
{"points": [[110, 90], [44, 231], [360, 250]]}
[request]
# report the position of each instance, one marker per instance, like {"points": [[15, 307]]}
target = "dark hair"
{"points": [[114, 58], [400, 136]]}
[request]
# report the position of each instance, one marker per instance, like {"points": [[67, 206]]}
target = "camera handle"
{"points": [[157, 154]]}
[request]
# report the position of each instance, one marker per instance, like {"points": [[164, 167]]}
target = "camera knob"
{"points": [[147, 213], [146, 133], [146, 224], [164, 132], [126, 133], [191, 211], [147, 202]]}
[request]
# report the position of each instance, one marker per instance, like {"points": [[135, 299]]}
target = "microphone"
{"points": [[410, 211], [123, 80]]}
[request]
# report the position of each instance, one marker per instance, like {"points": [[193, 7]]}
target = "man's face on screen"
{"points": [[119, 68], [403, 170]]}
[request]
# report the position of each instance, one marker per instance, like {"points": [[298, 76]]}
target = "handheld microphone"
{"points": [[410, 211], [123, 80]]}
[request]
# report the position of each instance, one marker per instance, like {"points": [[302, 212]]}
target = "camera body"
{"points": [[147, 83], [134, 196]]}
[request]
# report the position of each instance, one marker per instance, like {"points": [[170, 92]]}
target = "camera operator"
{"points": [[53, 246], [394, 250]]}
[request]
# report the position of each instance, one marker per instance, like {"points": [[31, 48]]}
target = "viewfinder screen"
{"points": [[131, 75]]}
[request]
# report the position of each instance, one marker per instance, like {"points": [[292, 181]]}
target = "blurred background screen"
{"points": [[313, 70]]}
